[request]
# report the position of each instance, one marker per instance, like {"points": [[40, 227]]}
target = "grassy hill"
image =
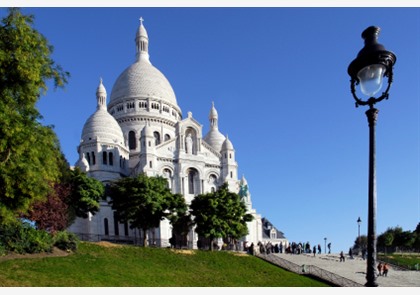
{"points": [[109, 265]]}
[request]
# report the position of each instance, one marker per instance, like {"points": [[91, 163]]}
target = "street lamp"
{"points": [[359, 221], [372, 63], [325, 245]]}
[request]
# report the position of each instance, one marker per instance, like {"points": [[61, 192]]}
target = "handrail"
{"points": [[312, 270]]}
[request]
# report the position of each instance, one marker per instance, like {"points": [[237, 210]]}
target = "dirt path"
{"points": [[55, 253]]}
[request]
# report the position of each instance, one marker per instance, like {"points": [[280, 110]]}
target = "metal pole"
{"points": [[325, 245], [358, 237], [372, 115]]}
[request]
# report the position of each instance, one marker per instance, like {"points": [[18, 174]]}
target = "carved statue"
{"points": [[188, 144]]}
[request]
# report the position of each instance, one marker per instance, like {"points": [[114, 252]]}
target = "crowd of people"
{"points": [[291, 248]]}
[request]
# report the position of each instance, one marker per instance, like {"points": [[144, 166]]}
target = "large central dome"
{"points": [[142, 88], [142, 80]]}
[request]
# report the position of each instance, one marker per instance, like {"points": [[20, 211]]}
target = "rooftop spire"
{"points": [[101, 96], [213, 117], [142, 42]]}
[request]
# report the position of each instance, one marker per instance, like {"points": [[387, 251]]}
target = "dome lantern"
{"points": [[142, 42]]}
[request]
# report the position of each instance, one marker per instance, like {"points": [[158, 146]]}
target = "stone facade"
{"points": [[142, 130]]}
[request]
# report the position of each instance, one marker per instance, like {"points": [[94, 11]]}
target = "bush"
{"points": [[23, 238], [66, 241], [3, 250]]}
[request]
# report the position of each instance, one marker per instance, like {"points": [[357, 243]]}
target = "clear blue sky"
{"points": [[278, 77]]}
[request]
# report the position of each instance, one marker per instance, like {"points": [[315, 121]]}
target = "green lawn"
{"points": [[127, 266], [406, 260]]}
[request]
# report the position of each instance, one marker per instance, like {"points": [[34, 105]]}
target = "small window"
{"points": [[104, 158], [106, 226], [126, 229], [111, 159], [273, 235], [88, 158], [132, 140], [157, 137], [93, 158], [150, 164], [116, 228]]}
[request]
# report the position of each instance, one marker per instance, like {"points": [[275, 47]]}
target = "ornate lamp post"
{"points": [[325, 245], [359, 221], [372, 63]]}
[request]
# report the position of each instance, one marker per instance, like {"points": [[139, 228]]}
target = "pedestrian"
{"points": [[329, 248], [319, 249], [342, 258], [385, 270], [380, 268], [314, 249]]}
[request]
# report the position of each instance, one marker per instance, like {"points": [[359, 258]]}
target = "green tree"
{"points": [[144, 201], [28, 150], [416, 235], [86, 193], [361, 243], [181, 222], [396, 237], [404, 240], [220, 214]]}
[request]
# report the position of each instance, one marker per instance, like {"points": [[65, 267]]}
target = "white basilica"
{"points": [[142, 130]]}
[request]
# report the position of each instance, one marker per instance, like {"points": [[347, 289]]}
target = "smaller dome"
{"points": [[101, 91], [227, 145], [82, 163], [147, 131], [213, 112], [101, 125], [215, 139]]}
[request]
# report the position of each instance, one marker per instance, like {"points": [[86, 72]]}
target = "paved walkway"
{"points": [[355, 269]]}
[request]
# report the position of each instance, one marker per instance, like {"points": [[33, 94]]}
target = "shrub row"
{"points": [[22, 238]]}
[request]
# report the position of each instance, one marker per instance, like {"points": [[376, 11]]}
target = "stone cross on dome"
{"points": [[141, 20]]}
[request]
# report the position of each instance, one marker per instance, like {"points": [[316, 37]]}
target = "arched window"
{"points": [[116, 228], [212, 182], [93, 158], [132, 144], [157, 137], [111, 159], [88, 157], [192, 177], [104, 158], [106, 226], [167, 137], [126, 229], [168, 175]]}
